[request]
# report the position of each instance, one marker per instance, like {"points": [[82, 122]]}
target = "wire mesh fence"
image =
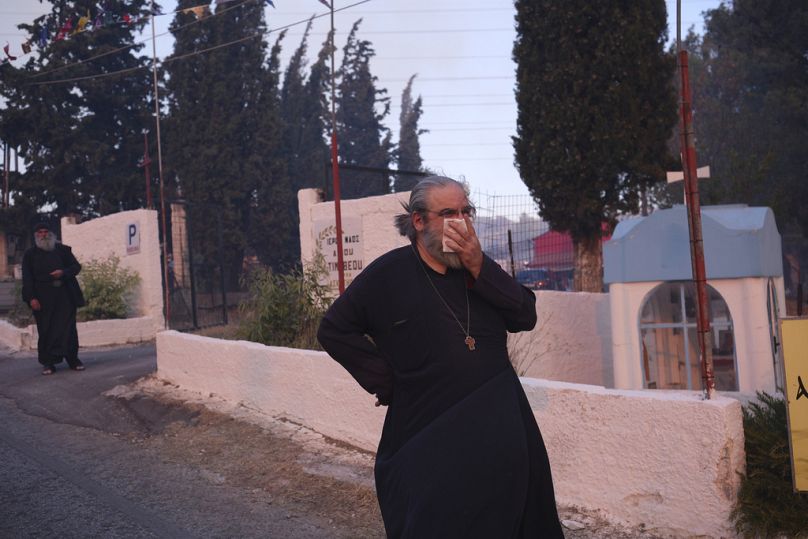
{"points": [[512, 233]]}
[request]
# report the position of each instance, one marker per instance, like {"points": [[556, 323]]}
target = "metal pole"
{"points": [[510, 251], [335, 162], [160, 170], [694, 220], [147, 169], [6, 155]]}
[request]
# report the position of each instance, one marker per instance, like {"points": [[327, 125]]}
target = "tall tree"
{"points": [[595, 109], [273, 232], [303, 111], [363, 139], [409, 147], [213, 125], [77, 108], [751, 116]]}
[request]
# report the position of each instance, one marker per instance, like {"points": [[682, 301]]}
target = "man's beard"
{"points": [[433, 242], [46, 244]]}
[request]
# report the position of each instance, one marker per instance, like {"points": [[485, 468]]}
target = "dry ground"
{"points": [[298, 468]]}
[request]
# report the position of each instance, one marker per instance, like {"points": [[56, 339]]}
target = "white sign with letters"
{"points": [[326, 238], [133, 238]]}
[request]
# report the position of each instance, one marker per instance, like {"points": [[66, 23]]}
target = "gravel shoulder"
{"points": [[294, 467]]}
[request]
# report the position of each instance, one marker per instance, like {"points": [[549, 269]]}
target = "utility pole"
{"points": [[146, 165], [688, 144], [166, 297], [335, 160]]}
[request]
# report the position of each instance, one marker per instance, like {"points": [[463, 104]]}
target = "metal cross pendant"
{"points": [[470, 342]]}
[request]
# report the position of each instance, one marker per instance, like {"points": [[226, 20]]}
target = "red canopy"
{"points": [[554, 250]]}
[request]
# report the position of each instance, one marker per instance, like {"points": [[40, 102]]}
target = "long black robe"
{"points": [[460, 453], [56, 320]]}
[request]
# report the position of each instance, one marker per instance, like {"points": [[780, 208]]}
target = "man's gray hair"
{"points": [[417, 203]]}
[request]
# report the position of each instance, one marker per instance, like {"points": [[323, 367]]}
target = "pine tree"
{"points": [[409, 147], [595, 109], [80, 139], [363, 139]]}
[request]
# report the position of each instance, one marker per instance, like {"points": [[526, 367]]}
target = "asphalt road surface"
{"points": [[76, 463]]}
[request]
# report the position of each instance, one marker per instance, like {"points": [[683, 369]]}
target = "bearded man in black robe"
{"points": [[461, 455], [50, 287]]}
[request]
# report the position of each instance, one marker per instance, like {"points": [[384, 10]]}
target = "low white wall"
{"points": [[95, 333], [572, 340], [667, 460], [105, 236]]}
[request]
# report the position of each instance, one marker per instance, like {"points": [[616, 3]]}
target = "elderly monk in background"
{"points": [[50, 287], [424, 330]]}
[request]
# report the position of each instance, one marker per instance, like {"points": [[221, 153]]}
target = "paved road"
{"points": [[72, 467]]}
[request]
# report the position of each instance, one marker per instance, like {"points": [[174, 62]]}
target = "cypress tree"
{"points": [[213, 126], [363, 139], [595, 110], [409, 147]]}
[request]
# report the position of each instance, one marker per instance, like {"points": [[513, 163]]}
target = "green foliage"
{"points": [[20, 314], [364, 140], [285, 309], [79, 140], [595, 109], [750, 85], [767, 505], [222, 131], [107, 289], [409, 147]]}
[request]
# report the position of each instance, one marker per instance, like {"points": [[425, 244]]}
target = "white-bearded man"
{"points": [[50, 287]]}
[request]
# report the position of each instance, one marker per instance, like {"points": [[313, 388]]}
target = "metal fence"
{"points": [[512, 233]]}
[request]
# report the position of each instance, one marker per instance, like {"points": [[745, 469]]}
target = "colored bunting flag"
{"points": [[199, 11], [81, 26], [10, 58], [269, 2], [42, 40], [64, 31]]}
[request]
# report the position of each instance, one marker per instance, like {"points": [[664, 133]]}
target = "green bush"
{"points": [[20, 314], [284, 309], [767, 504], [107, 288]]}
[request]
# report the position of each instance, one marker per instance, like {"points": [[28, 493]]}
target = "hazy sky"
{"points": [[460, 51]]}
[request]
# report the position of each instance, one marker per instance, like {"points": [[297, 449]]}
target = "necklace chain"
{"points": [[470, 342]]}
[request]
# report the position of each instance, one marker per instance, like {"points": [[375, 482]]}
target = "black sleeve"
{"points": [[71, 265], [27, 278], [343, 334], [516, 303]]}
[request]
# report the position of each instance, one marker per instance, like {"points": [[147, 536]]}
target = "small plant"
{"points": [[767, 504], [107, 288], [20, 314], [285, 309]]}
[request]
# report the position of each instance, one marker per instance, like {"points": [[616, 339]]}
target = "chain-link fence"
{"points": [[512, 233]]}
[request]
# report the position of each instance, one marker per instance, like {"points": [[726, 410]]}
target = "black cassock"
{"points": [[460, 454], [56, 320]]}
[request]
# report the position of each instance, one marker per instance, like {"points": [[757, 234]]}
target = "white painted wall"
{"points": [[571, 341], [95, 333], [104, 236], [664, 459], [746, 299]]}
